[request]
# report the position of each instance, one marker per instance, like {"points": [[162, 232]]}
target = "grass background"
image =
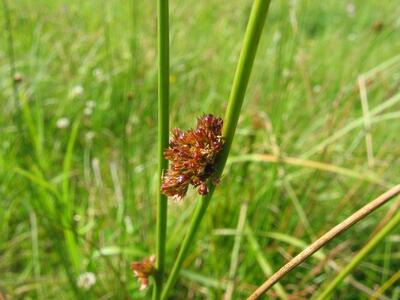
{"points": [[96, 179]]}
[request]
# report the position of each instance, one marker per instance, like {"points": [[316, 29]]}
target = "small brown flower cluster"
{"points": [[192, 155], [143, 270]]}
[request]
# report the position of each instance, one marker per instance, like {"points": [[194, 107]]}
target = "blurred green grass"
{"points": [[303, 90]]}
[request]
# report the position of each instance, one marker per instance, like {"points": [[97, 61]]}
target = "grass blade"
{"points": [[262, 260], [68, 205], [316, 165], [235, 252]]}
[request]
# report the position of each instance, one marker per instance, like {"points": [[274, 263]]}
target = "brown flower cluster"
{"points": [[143, 270], [192, 155]]}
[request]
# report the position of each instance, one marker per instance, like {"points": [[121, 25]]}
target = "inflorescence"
{"points": [[192, 156], [143, 270]]}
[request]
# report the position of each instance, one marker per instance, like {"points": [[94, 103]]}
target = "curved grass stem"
{"points": [[327, 237], [327, 291], [252, 36]]}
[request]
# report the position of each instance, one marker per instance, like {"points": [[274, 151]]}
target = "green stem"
{"points": [[163, 137], [71, 244], [360, 256], [252, 36], [187, 242]]}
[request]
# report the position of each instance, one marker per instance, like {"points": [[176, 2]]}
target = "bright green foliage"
{"points": [[100, 187]]}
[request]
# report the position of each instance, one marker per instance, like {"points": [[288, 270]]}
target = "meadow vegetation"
{"points": [[317, 138]]}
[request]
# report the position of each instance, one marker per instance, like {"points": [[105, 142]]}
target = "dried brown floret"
{"points": [[192, 155], [143, 270]]}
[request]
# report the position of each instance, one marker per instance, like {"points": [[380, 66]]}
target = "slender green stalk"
{"points": [[71, 244], [360, 256], [252, 36], [390, 282], [163, 136]]}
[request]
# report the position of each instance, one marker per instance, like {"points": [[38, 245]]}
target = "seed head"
{"points": [[143, 270], [86, 280], [192, 155], [18, 78]]}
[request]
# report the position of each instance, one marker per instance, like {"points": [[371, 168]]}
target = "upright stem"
{"points": [[252, 36], [187, 242], [163, 134], [245, 64], [360, 256]]}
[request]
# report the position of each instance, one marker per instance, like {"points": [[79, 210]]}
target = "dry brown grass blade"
{"points": [[294, 161], [323, 240]]}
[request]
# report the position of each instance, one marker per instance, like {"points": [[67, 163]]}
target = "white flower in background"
{"points": [[88, 111], [99, 74], [317, 88], [91, 104], [86, 280], [62, 123], [77, 218], [351, 9], [89, 136], [76, 91]]}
